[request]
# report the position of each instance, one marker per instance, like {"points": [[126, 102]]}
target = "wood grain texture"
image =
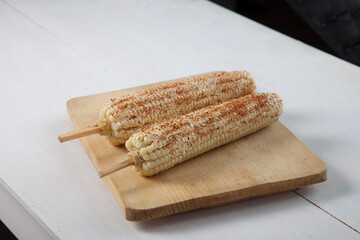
{"points": [[270, 161]]}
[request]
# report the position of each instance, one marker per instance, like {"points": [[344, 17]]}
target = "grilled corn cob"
{"points": [[128, 114], [161, 146]]}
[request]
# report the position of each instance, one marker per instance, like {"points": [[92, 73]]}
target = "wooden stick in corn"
{"points": [[159, 147], [115, 168], [128, 114], [79, 133]]}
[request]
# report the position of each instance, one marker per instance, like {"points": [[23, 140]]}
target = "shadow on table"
{"points": [[202, 219], [326, 146], [335, 187], [249, 209]]}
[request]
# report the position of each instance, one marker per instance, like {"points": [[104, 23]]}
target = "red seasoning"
{"points": [[161, 146], [128, 114]]}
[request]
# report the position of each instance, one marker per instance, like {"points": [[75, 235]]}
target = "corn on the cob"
{"points": [[161, 146], [128, 114]]}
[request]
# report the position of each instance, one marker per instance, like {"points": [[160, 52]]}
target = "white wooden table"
{"points": [[51, 51]]}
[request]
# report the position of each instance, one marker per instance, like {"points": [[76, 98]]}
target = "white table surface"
{"points": [[51, 51]]}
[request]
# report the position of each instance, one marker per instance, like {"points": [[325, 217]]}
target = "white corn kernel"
{"points": [[115, 126], [143, 151], [150, 149], [111, 119], [153, 156]]}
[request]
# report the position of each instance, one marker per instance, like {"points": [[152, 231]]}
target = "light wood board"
{"points": [[270, 161]]}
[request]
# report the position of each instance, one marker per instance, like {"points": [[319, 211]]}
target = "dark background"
{"points": [[5, 234], [275, 14], [281, 17], [330, 25], [278, 15]]}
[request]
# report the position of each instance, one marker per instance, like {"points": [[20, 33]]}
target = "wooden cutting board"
{"points": [[270, 161]]}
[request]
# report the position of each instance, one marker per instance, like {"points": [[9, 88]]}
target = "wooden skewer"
{"points": [[116, 168], [79, 133]]}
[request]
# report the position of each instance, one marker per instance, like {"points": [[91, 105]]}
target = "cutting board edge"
{"points": [[258, 191]]}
